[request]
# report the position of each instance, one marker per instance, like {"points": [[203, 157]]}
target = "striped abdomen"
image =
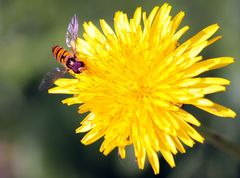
{"points": [[61, 54]]}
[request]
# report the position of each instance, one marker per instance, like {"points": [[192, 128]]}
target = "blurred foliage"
{"points": [[37, 132]]}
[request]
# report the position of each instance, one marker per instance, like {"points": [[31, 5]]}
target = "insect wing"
{"points": [[50, 78], [72, 33]]}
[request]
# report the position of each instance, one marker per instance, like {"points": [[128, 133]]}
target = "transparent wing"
{"points": [[51, 77], [72, 33]]}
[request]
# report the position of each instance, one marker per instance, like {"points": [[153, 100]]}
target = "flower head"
{"points": [[137, 78]]}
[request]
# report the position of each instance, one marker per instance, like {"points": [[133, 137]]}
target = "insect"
{"points": [[67, 58]]}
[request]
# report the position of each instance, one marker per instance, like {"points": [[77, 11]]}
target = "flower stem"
{"points": [[221, 143]]}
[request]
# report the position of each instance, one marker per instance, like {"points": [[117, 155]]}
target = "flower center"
{"points": [[136, 89]]}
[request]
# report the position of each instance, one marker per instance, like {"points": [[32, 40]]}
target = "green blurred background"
{"points": [[37, 132]]}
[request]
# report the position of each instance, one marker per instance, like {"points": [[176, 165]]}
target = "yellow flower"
{"points": [[136, 81]]}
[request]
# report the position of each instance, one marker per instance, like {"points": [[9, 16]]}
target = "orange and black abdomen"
{"points": [[60, 54]]}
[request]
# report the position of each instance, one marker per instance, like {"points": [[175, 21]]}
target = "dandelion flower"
{"points": [[137, 78]]}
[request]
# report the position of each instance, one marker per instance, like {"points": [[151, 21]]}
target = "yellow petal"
{"points": [[218, 110], [206, 65], [153, 159], [168, 157], [122, 152]]}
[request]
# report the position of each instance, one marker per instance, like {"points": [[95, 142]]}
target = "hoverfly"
{"points": [[67, 58]]}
